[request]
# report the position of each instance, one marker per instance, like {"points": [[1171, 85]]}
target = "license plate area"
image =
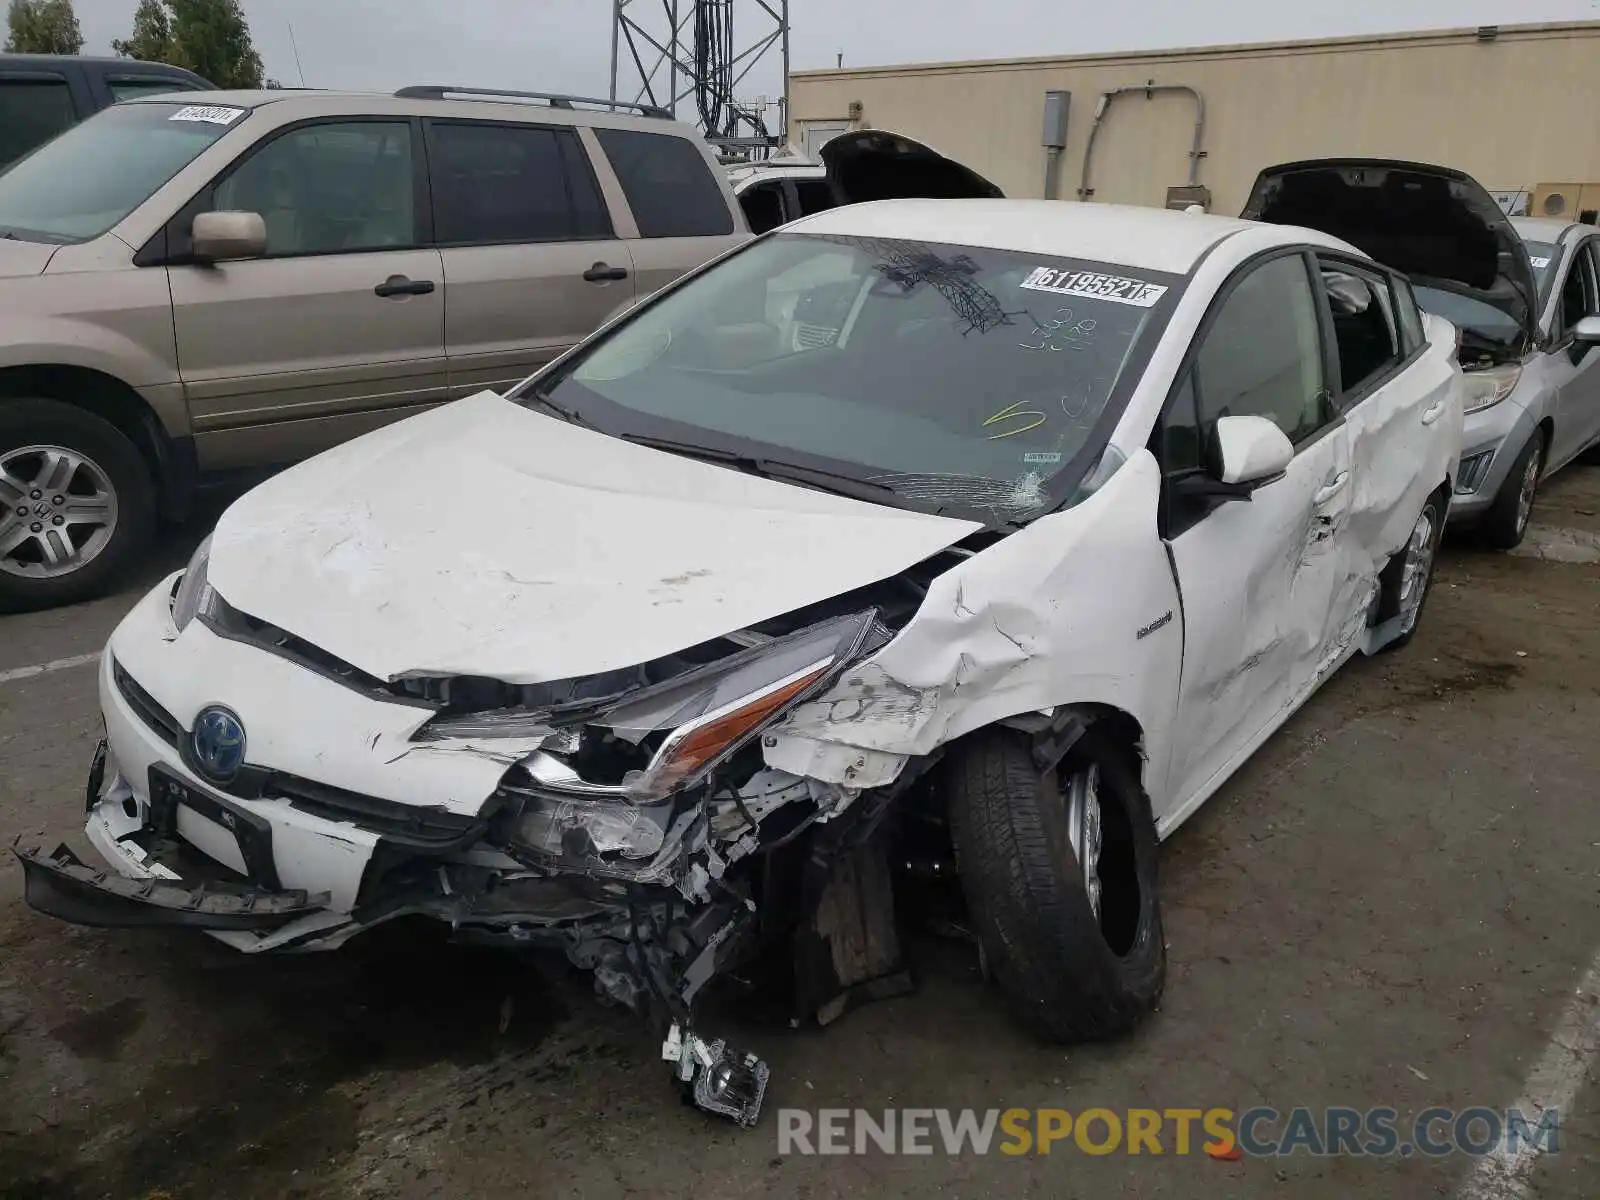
{"points": [[218, 828]]}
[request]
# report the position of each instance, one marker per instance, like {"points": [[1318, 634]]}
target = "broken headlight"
{"points": [[709, 713], [194, 592], [672, 734]]}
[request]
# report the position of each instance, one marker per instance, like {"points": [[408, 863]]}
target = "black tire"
{"points": [[30, 422], [1069, 976], [1504, 523], [1392, 581]]}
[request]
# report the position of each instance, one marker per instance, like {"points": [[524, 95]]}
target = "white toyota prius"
{"points": [[1025, 522]]}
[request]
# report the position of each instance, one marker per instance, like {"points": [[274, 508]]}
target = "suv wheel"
{"points": [[76, 504]]}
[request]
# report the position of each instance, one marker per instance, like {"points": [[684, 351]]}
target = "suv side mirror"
{"points": [[1587, 331], [228, 236], [1250, 451]]}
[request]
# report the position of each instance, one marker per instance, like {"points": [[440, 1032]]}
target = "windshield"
{"points": [[1543, 255], [952, 378], [82, 183]]}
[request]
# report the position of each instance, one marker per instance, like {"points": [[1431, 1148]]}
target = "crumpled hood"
{"points": [[482, 538], [21, 259]]}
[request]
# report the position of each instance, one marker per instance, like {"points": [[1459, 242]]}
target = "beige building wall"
{"points": [[1514, 111]]}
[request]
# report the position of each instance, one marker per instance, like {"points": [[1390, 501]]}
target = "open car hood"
{"points": [[875, 164], [1437, 225]]}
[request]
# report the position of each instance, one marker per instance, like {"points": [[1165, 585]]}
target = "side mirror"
{"points": [[228, 236], [1587, 331], [1249, 451]]}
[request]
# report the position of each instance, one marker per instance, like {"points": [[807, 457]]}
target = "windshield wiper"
{"points": [[541, 398], [826, 481]]}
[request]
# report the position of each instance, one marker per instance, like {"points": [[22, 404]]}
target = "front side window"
{"points": [[328, 189], [512, 183], [1577, 294], [669, 184], [96, 173], [815, 196], [1411, 330], [956, 378], [1366, 330], [32, 111], [1262, 355]]}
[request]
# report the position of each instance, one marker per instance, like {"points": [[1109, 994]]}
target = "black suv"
{"points": [[42, 94]]}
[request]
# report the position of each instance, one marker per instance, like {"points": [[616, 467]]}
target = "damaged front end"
{"points": [[637, 827]]}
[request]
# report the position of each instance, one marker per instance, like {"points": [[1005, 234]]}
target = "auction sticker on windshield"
{"points": [[210, 114], [1115, 288]]}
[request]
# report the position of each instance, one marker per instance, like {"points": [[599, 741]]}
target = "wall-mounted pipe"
{"points": [[1196, 152]]}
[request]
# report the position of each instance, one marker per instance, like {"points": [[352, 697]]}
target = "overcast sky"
{"points": [[564, 45]]}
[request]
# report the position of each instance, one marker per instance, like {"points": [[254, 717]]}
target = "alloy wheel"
{"points": [[58, 511]]}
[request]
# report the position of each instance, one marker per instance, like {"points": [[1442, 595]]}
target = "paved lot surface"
{"points": [[1395, 903]]}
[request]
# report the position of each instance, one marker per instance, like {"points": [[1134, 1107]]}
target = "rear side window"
{"points": [[668, 183], [1366, 332], [512, 183], [815, 196], [147, 85], [32, 111]]}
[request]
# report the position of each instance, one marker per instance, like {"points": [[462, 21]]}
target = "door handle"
{"points": [[1435, 411], [1329, 490], [399, 285], [601, 273]]}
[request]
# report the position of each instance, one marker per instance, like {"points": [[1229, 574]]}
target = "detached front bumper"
{"points": [[61, 885]]}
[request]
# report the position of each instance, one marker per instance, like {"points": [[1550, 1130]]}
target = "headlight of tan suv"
{"points": [[1488, 387]]}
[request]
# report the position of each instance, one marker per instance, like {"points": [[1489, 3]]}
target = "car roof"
{"points": [[1541, 229], [1154, 239], [464, 104]]}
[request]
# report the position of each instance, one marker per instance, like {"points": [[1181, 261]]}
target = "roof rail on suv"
{"points": [[425, 91]]}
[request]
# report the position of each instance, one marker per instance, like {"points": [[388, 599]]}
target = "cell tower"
{"points": [[664, 52]]}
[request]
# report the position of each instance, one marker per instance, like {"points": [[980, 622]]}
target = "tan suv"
{"points": [[191, 289]]}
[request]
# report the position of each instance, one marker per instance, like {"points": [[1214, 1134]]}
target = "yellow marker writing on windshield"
{"points": [[1014, 410]]}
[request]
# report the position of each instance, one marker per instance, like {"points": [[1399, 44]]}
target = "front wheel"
{"points": [[1506, 520], [76, 504], [1059, 871]]}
